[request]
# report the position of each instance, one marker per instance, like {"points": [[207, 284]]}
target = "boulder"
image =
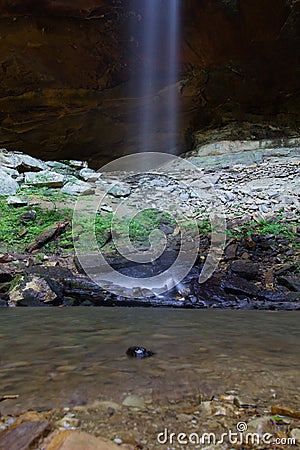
{"points": [[245, 269], [89, 175], [12, 172], [20, 161], [292, 283], [31, 291], [14, 200], [77, 187], [8, 186], [119, 190], [45, 178]]}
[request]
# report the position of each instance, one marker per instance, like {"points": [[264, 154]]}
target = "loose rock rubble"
{"points": [[256, 271], [188, 423]]}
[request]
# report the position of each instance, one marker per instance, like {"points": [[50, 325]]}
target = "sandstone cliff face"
{"points": [[68, 70]]}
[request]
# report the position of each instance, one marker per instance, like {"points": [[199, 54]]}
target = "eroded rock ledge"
{"points": [[65, 69]]}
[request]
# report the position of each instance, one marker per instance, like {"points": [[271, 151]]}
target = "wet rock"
{"points": [[77, 187], [139, 352], [119, 190], [262, 425], [69, 423], [133, 401], [105, 405], [81, 289], [244, 402], [292, 283], [69, 301], [79, 440], [14, 200], [237, 285], [277, 296], [31, 291], [24, 436], [6, 277], [45, 178], [245, 269], [8, 186], [269, 279], [285, 411]]}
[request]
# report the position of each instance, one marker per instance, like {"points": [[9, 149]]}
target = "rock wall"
{"points": [[65, 68]]}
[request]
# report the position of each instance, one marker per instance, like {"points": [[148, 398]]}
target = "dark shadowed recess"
{"points": [[65, 69]]}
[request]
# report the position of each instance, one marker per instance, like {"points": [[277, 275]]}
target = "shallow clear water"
{"points": [[60, 357]]}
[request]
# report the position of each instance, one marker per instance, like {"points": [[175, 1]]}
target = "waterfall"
{"points": [[155, 44]]}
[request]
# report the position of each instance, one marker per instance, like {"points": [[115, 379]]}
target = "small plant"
{"points": [[16, 235]]}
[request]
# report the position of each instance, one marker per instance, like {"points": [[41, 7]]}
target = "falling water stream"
{"points": [[158, 45]]}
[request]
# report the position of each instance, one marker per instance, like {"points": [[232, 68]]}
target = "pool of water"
{"points": [[62, 357]]}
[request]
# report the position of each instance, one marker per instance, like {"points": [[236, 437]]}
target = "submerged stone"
{"points": [[139, 352]]}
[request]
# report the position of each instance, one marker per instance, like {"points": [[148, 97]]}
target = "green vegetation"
{"points": [[266, 227], [16, 235]]}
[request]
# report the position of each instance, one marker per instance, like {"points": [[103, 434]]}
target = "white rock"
{"points": [[12, 172], [9, 159], [77, 187], [77, 164], [89, 175], [8, 186], [18, 159], [133, 401], [45, 178], [28, 162], [57, 165], [17, 201]]}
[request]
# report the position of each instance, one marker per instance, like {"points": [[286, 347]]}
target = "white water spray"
{"points": [[157, 116]]}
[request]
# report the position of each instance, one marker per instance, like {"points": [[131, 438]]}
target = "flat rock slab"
{"points": [[24, 436], [79, 440]]}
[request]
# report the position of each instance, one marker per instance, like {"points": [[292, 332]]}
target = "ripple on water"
{"points": [[79, 355]]}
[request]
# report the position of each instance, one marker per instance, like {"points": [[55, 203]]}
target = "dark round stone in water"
{"points": [[139, 352]]}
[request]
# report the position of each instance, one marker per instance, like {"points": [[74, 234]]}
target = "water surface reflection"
{"points": [[59, 357]]}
